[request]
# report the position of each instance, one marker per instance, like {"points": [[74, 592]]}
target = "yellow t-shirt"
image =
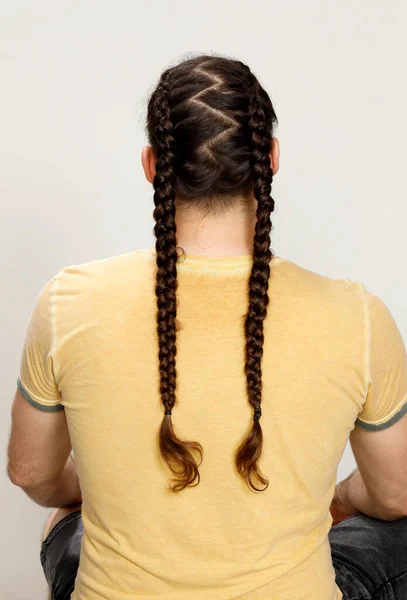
{"points": [[333, 355]]}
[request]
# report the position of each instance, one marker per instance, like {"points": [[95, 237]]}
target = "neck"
{"points": [[228, 232]]}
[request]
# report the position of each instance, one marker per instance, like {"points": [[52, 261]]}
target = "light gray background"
{"points": [[75, 78]]}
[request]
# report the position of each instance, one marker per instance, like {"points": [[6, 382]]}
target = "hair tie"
{"points": [[168, 411], [257, 413]]}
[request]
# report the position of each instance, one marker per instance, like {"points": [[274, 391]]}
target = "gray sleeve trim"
{"points": [[396, 417], [44, 407]]}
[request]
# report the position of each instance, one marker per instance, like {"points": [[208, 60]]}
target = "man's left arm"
{"points": [[39, 459]]}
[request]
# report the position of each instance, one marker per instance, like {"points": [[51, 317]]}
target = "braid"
{"points": [[210, 125], [173, 450], [250, 450]]}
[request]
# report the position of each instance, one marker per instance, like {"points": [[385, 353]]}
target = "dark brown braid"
{"points": [[250, 450], [172, 449], [210, 125]]}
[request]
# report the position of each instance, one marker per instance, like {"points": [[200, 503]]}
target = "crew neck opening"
{"points": [[197, 262], [216, 262]]}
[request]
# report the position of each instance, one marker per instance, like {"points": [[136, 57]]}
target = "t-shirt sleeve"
{"points": [[386, 357], [36, 380]]}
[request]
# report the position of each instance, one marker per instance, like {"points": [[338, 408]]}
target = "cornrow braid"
{"points": [[250, 450], [174, 451], [210, 125]]}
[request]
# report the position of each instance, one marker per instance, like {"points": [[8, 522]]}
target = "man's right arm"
{"points": [[379, 438], [378, 488]]}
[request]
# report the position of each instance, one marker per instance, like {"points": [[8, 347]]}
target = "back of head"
{"points": [[210, 125], [208, 115]]}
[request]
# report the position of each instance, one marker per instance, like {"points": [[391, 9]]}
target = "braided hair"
{"points": [[210, 124]]}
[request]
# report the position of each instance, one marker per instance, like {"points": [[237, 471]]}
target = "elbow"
{"points": [[393, 510], [15, 477], [20, 478]]}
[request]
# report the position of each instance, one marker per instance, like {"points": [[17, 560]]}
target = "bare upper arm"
{"points": [[382, 460], [39, 443]]}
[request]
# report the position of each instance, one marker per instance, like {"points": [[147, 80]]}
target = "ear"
{"points": [[275, 155], [148, 161]]}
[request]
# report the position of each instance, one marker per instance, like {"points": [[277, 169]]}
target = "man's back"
{"points": [[217, 539]]}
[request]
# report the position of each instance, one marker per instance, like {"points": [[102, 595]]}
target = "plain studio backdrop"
{"points": [[75, 79]]}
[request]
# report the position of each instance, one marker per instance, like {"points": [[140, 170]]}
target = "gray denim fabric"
{"points": [[369, 557], [60, 555]]}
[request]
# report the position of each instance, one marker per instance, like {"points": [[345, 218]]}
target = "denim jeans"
{"points": [[369, 557]]}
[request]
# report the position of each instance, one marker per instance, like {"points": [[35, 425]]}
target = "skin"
{"points": [[39, 459], [228, 234]]}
